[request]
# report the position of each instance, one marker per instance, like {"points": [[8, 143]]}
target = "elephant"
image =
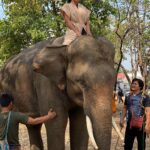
{"points": [[76, 81]]}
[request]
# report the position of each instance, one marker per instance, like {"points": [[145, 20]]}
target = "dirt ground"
{"points": [[116, 143]]}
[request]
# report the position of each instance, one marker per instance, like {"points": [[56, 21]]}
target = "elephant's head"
{"points": [[90, 67]]}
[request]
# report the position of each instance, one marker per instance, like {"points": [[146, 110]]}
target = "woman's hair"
{"points": [[68, 1]]}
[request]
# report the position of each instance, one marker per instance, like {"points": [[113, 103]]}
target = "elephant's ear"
{"points": [[107, 48], [51, 62], [57, 74]]}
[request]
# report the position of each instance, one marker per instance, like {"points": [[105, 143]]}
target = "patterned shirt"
{"points": [[135, 104]]}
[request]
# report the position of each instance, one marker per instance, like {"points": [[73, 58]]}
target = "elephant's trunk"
{"points": [[97, 107]]}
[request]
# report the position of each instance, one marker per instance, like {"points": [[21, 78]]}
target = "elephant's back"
{"points": [[26, 55], [20, 66]]}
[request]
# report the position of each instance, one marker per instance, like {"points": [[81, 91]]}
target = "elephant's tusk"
{"points": [[117, 129], [90, 132]]}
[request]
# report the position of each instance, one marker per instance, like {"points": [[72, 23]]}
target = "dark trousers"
{"points": [[130, 135], [12, 147]]}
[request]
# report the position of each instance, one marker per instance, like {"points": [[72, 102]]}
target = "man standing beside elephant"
{"points": [[136, 106], [9, 122]]}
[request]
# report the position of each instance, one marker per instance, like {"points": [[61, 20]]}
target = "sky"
{"points": [[1, 11], [125, 63]]}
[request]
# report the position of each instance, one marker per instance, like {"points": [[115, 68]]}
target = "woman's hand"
{"points": [[70, 25], [78, 33]]}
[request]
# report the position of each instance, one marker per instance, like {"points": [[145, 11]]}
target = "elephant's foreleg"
{"points": [[35, 137], [56, 130], [78, 130]]}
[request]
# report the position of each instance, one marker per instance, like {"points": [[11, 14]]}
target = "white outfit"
{"points": [[79, 17]]}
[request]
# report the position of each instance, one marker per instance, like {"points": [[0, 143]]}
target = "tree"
{"points": [[131, 27], [30, 21], [122, 27], [139, 36]]}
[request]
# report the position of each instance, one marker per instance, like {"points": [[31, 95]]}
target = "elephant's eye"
{"points": [[82, 83]]}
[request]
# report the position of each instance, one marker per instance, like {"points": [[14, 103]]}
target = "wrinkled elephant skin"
{"points": [[76, 81]]}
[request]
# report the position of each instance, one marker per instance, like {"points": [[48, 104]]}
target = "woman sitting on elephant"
{"points": [[76, 17]]}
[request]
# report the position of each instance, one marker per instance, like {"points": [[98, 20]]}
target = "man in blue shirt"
{"points": [[136, 105]]}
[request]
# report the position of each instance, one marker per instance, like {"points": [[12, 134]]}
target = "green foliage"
{"points": [[30, 21], [100, 13]]}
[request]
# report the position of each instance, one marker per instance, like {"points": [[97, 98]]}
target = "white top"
{"points": [[79, 17]]}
